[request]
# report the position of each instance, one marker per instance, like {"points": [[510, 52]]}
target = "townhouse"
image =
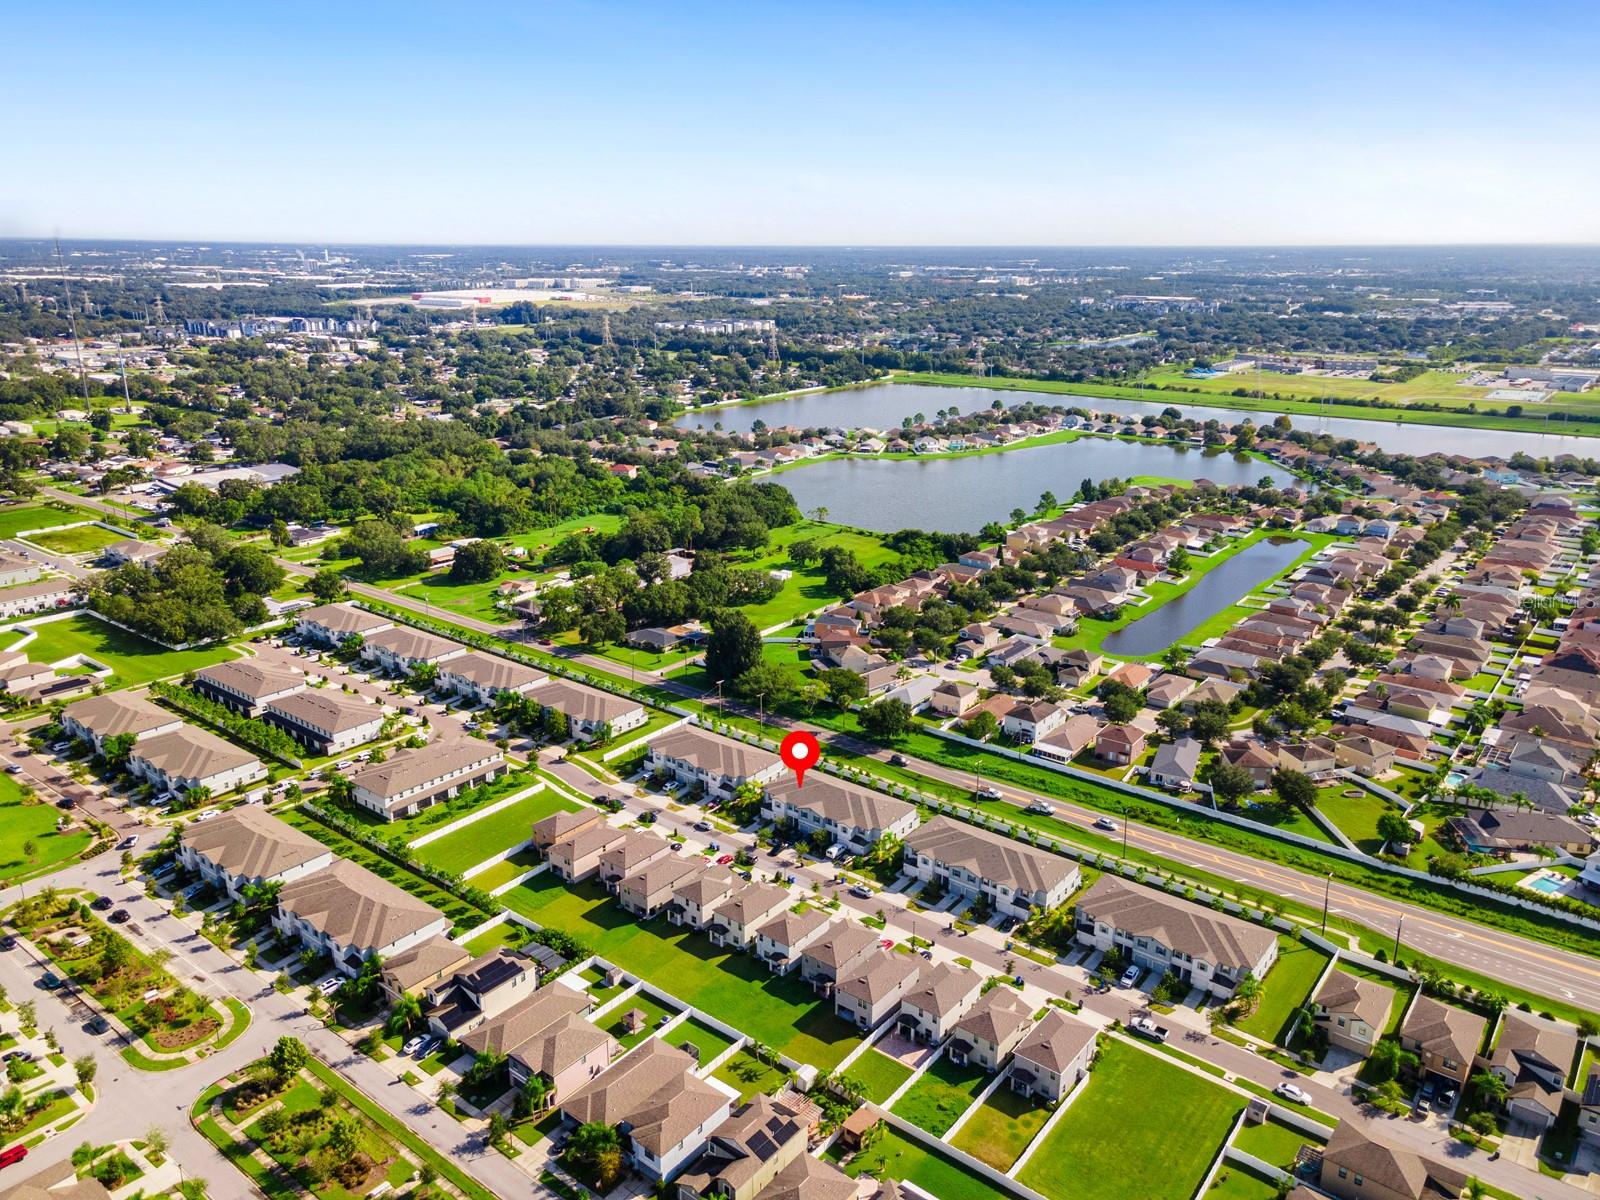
{"points": [[779, 941], [351, 914], [696, 758], [546, 1035], [1015, 878], [990, 1030], [835, 952], [634, 851], [96, 718], [576, 856], [411, 780], [1206, 949], [944, 993], [649, 889], [696, 897], [871, 991], [479, 990], [1053, 1056], [562, 824], [663, 1110], [44, 595], [325, 721], [483, 678], [589, 711], [750, 905], [400, 650], [854, 817], [1353, 1011], [418, 968], [247, 687], [331, 624], [190, 758], [248, 847]]}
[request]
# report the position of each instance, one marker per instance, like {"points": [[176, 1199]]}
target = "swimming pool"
{"points": [[1546, 885], [1454, 780]]}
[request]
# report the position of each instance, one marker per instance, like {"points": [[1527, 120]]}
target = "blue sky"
{"points": [[806, 123]]}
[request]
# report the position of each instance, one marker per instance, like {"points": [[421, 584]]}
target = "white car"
{"points": [[1042, 808], [1292, 1092], [1130, 977], [129, 842], [330, 985], [414, 1044], [1105, 823]]}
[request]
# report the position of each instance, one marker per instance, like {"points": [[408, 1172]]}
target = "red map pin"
{"points": [[800, 752]]}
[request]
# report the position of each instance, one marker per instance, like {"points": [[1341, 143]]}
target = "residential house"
{"points": [[485, 987], [760, 1153], [410, 780], [720, 765], [1073, 737], [351, 914], [1030, 720], [1120, 745], [944, 993], [1504, 832], [649, 889], [486, 677], [854, 817], [1357, 1166], [247, 846], [664, 1111], [190, 758], [1052, 1058], [547, 831], [546, 1036], [1352, 1010], [96, 718], [750, 905], [1204, 948], [246, 686], [325, 721], [836, 951], [1013, 877], [1444, 1038], [633, 852], [991, 1029], [417, 969], [1176, 765], [590, 711], [871, 991], [577, 855], [696, 897], [331, 624], [953, 698], [401, 650], [780, 940], [1169, 690], [1534, 1057]]}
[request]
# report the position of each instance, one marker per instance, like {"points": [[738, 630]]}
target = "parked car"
{"points": [[13, 769], [19, 1055], [724, 859], [8, 942], [1105, 823], [861, 892], [414, 1044], [330, 985], [1292, 1092], [120, 917], [1446, 1101], [1145, 1027], [101, 903], [1129, 977], [51, 981], [129, 842], [96, 1024]]}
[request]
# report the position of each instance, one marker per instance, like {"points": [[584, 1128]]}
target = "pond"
{"points": [[962, 494], [1222, 587], [884, 406]]}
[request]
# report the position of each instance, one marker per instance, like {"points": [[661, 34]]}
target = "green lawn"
{"points": [[593, 978], [942, 1094], [1357, 816], [653, 1010], [779, 1011], [503, 934], [1145, 1127], [1235, 1183], [32, 827], [1273, 1142], [1001, 1129], [13, 520], [878, 1074], [748, 1075], [895, 1156], [132, 660], [79, 539], [489, 835], [505, 870], [806, 589], [705, 1039], [1285, 989]]}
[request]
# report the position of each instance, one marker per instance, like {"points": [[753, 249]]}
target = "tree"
{"points": [[289, 1057], [733, 646], [155, 1142], [843, 688], [1231, 784], [477, 562], [327, 585], [981, 726], [604, 627], [405, 1015], [887, 720], [344, 1137], [1208, 724], [1121, 707], [116, 749], [84, 1067], [1394, 829], [597, 1148], [1488, 1090], [1294, 788], [499, 1128]]}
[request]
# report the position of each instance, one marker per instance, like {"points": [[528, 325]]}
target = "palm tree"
{"points": [[1475, 1189], [405, 1014]]}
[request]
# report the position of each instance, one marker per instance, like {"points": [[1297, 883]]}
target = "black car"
{"points": [[96, 1025], [101, 903], [119, 917], [8, 942], [897, 760]]}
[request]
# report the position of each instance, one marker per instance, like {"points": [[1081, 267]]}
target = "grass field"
{"points": [[1001, 1128], [805, 590], [705, 1039], [489, 835], [1273, 1142], [78, 539], [895, 1156], [132, 660], [1357, 816], [779, 1011], [942, 1094], [748, 1075], [1117, 1138], [32, 826], [878, 1074], [1216, 393], [14, 519], [1285, 990], [1235, 1183]]}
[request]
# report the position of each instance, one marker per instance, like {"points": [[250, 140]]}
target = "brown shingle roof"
{"points": [[251, 842], [355, 907], [1177, 924]]}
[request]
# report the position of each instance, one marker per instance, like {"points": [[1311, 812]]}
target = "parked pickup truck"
{"points": [[1145, 1027]]}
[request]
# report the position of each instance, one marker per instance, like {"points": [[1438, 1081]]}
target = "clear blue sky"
{"points": [[754, 122]]}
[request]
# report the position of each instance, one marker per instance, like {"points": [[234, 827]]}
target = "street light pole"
{"points": [[1327, 886], [1124, 830], [1398, 927]]}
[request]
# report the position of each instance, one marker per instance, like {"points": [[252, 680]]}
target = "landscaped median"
{"points": [[293, 1125], [169, 1022]]}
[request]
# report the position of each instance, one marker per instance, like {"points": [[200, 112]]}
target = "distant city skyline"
{"points": [[817, 124]]}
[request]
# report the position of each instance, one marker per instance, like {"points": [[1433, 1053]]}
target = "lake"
{"points": [[963, 494], [885, 405], [1221, 588]]}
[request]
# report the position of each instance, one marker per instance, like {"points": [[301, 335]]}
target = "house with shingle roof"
{"points": [[248, 845], [1534, 1057], [839, 949], [246, 686], [1443, 1037], [1052, 1058], [1161, 932], [1358, 1166], [853, 816], [1014, 877], [410, 780], [95, 718], [991, 1029], [547, 1035], [780, 940], [871, 991], [1352, 1010], [350, 913], [578, 854], [720, 765], [331, 624], [750, 905], [943, 995]]}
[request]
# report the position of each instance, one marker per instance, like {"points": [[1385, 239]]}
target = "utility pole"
{"points": [[72, 324], [1401, 924], [1327, 886]]}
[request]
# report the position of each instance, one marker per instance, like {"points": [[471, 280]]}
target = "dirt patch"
{"points": [[177, 1039], [358, 1173]]}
